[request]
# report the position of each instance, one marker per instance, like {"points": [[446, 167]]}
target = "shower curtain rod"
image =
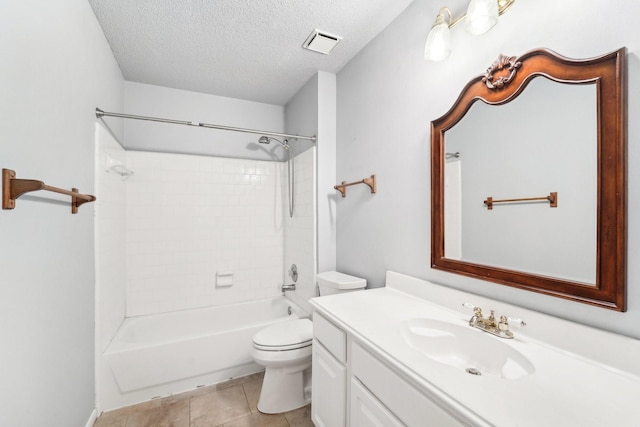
{"points": [[100, 113]]}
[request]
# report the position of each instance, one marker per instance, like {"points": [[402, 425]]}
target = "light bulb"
{"points": [[438, 44], [482, 15]]}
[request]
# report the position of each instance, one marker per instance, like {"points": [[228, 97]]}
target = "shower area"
{"points": [[191, 254]]}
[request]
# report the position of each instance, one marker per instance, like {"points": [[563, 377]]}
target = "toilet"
{"points": [[284, 349], [333, 282]]}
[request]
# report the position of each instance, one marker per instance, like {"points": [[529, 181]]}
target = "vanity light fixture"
{"points": [[481, 16]]}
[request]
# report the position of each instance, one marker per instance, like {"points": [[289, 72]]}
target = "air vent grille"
{"points": [[321, 42]]}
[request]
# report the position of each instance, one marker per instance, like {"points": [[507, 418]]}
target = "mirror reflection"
{"points": [[542, 142]]}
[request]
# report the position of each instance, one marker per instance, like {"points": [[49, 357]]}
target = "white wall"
{"points": [[56, 68], [327, 196], [110, 225], [301, 115], [388, 95], [110, 247], [191, 217], [312, 111], [301, 118], [156, 101]]}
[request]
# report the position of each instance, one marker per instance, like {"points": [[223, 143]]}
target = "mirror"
{"points": [[539, 150], [529, 185]]}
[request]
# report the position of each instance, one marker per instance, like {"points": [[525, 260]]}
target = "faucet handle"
{"points": [[293, 273], [469, 305], [516, 321], [477, 311]]}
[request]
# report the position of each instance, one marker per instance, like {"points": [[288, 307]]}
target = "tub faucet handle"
{"points": [[293, 273]]}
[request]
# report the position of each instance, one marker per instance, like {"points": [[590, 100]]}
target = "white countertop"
{"points": [[566, 389]]}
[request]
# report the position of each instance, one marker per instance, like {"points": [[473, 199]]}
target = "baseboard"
{"points": [[92, 418]]}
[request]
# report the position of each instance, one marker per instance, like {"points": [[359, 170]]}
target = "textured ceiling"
{"points": [[246, 49]]}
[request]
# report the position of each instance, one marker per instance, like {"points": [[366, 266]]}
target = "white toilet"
{"points": [[333, 282], [284, 350]]}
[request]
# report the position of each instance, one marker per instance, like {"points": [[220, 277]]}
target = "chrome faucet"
{"points": [[499, 328], [291, 287]]}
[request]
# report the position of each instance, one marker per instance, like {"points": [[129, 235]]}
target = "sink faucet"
{"points": [[291, 287], [499, 328]]}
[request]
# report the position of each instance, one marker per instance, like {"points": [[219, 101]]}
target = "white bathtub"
{"points": [[208, 343]]}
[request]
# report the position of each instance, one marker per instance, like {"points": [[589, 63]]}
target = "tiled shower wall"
{"points": [[189, 218], [299, 231]]}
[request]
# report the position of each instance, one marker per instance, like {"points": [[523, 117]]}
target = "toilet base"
{"points": [[285, 389]]}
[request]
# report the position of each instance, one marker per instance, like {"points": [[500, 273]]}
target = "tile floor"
{"points": [[229, 404]]}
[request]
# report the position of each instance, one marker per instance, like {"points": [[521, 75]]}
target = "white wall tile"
{"points": [[191, 216], [299, 231]]}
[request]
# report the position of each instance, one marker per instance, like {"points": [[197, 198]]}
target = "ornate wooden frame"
{"points": [[503, 82]]}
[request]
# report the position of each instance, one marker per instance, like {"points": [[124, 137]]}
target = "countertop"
{"points": [[566, 389]]}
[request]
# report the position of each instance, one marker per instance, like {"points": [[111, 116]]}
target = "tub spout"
{"points": [[291, 287]]}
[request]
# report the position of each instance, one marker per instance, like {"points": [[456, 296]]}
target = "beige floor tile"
{"points": [[241, 380], [187, 395], [174, 415], [128, 410], [234, 405], [219, 407], [299, 417], [259, 420], [111, 421], [252, 391]]}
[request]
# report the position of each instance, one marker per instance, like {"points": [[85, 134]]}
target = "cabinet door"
{"points": [[367, 411], [407, 403], [328, 390]]}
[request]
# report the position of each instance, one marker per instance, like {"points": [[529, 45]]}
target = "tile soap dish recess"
{"points": [[116, 166], [224, 279]]}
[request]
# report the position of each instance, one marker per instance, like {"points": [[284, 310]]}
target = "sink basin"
{"points": [[465, 348]]}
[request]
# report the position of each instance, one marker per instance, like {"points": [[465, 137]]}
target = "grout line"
{"points": [[246, 398]]}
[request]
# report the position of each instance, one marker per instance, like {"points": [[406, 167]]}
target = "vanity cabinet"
{"points": [[354, 388], [402, 399], [329, 374], [366, 410]]}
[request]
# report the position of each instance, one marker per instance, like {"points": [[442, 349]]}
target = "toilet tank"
{"points": [[333, 282]]}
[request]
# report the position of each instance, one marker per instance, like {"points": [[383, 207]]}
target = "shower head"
{"points": [[267, 140]]}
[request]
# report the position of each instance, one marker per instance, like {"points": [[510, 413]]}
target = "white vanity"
{"points": [[406, 355]]}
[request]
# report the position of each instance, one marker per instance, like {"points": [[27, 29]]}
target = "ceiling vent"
{"points": [[321, 42]]}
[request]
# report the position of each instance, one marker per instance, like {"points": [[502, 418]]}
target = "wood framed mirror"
{"points": [[528, 186]]}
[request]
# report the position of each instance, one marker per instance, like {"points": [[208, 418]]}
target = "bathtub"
{"points": [[206, 345]]}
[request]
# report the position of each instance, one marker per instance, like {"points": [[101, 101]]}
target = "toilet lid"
{"points": [[287, 335]]}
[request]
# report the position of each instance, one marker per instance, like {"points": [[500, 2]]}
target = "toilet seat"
{"points": [[289, 335]]}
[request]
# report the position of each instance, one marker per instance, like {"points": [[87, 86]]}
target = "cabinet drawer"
{"points": [[367, 411], [332, 337], [411, 406]]}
